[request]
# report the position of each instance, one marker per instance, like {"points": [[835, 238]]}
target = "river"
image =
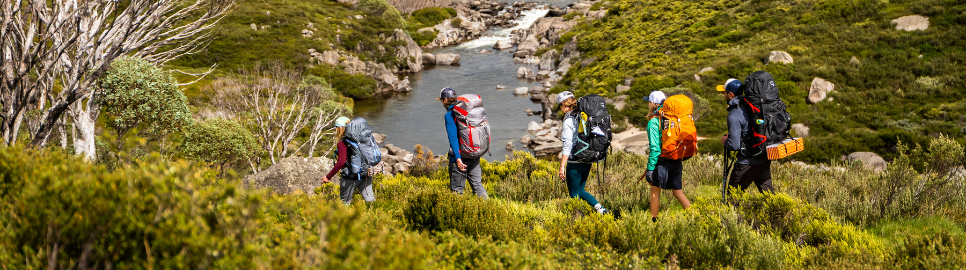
{"points": [[416, 117]]}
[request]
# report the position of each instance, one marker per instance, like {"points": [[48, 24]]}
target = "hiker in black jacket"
{"points": [[747, 169]]}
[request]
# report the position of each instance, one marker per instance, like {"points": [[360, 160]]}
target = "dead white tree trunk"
{"points": [[74, 41], [278, 106], [85, 115]]}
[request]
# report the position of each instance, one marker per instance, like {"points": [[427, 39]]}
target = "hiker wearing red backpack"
{"points": [[741, 138], [463, 119], [672, 139]]}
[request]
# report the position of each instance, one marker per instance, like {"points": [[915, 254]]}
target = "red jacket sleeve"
{"points": [[340, 162]]}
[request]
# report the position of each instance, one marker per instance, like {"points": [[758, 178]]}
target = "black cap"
{"points": [[446, 93]]}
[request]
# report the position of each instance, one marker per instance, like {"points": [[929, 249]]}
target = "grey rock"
{"points": [[537, 90], [548, 60], [548, 149], [380, 138], [401, 167], [707, 69], [912, 23], [411, 53], [855, 61], [330, 57], [819, 90], [524, 72], [509, 145], [429, 59], [502, 45], [871, 160], [525, 140], [500, 87], [447, 59], [521, 91], [801, 130], [780, 57], [530, 44], [623, 88], [537, 97], [588, 61], [292, 174], [533, 128]]}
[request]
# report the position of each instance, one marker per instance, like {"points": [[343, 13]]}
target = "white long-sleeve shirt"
{"points": [[567, 135]]}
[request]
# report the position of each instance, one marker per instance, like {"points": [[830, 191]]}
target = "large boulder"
{"points": [[871, 160], [330, 57], [801, 130], [549, 60], [623, 88], [533, 128], [525, 72], [447, 59], [780, 57], [502, 45], [429, 59], [292, 174], [530, 44], [552, 147], [380, 138], [819, 90], [912, 23], [411, 53], [537, 90]]}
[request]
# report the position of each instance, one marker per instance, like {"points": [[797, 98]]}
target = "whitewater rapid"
{"points": [[491, 37]]}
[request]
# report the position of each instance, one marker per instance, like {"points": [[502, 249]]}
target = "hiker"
{"points": [[355, 153], [662, 172], [748, 169], [574, 173], [461, 169]]}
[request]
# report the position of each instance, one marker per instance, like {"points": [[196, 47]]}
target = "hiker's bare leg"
{"points": [[655, 200], [678, 194]]}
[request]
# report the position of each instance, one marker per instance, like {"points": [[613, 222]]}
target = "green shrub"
{"points": [[355, 86], [219, 142]]}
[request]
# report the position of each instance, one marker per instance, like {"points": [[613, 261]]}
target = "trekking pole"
{"points": [[724, 178]]}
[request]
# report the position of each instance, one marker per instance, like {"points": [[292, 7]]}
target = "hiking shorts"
{"points": [[667, 174]]}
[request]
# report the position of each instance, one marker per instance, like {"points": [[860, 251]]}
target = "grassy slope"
{"points": [[892, 95]]}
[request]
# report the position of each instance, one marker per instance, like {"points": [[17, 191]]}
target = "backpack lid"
{"points": [[593, 105], [467, 102], [760, 85], [358, 130], [677, 106]]}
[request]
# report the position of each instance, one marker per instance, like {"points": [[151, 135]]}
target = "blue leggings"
{"points": [[577, 174]]}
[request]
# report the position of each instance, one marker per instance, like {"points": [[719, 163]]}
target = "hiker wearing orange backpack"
{"points": [[673, 139]]}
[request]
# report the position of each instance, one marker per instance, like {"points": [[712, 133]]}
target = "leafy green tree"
{"points": [[384, 10], [219, 141], [141, 95]]}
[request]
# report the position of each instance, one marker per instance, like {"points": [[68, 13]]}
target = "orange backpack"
{"points": [[679, 138]]}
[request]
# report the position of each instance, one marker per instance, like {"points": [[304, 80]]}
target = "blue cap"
{"points": [[447, 93], [731, 85]]}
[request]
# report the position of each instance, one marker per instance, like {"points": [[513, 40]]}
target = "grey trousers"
{"points": [[348, 186], [473, 174]]}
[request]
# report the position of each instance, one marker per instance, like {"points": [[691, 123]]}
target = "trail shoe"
{"points": [[654, 219]]}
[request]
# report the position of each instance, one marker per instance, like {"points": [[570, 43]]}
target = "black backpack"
{"points": [[363, 152], [593, 130], [768, 116]]}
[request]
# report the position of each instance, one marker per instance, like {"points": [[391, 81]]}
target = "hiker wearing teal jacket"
{"points": [[668, 172]]}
